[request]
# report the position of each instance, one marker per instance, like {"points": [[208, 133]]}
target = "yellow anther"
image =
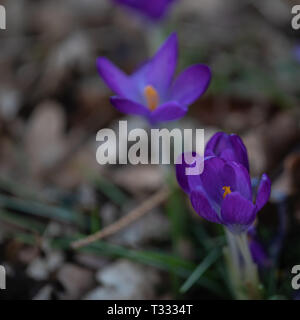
{"points": [[226, 191], [152, 97]]}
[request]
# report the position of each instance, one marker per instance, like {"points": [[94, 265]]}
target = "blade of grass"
{"points": [[40, 210], [200, 270], [177, 217], [17, 189], [22, 222], [111, 191], [157, 259], [95, 221]]}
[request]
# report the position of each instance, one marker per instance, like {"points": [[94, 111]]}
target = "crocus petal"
{"points": [[116, 79], [242, 180], [161, 67], [154, 9], [182, 180], [210, 149], [181, 166], [168, 112], [191, 84], [212, 181], [228, 154], [264, 191], [240, 150], [228, 147], [237, 213], [129, 107], [157, 9], [203, 207], [219, 173], [237, 178], [139, 77], [189, 181]]}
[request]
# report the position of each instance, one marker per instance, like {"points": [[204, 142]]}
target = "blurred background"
{"points": [[52, 191]]}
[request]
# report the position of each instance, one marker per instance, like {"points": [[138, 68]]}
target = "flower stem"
{"points": [[232, 259], [242, 270], [251, 279]]}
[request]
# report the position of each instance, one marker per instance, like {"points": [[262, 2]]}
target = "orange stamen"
{"points": [[152, 97], [226, 191]]}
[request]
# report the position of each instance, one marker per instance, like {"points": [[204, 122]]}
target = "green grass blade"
{"points": [[22, 222], [111, 191], [200, 270], [38, 209]]}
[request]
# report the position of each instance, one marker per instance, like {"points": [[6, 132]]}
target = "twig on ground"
{"points": [[135, 214]]}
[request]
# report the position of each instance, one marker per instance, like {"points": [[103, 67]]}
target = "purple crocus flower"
{"points": [[153, 9], [223, 193], [151, 92], [227, 147]]}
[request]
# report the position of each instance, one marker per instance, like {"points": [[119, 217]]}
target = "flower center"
{"points": [[226, 191], [152, 97]]}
